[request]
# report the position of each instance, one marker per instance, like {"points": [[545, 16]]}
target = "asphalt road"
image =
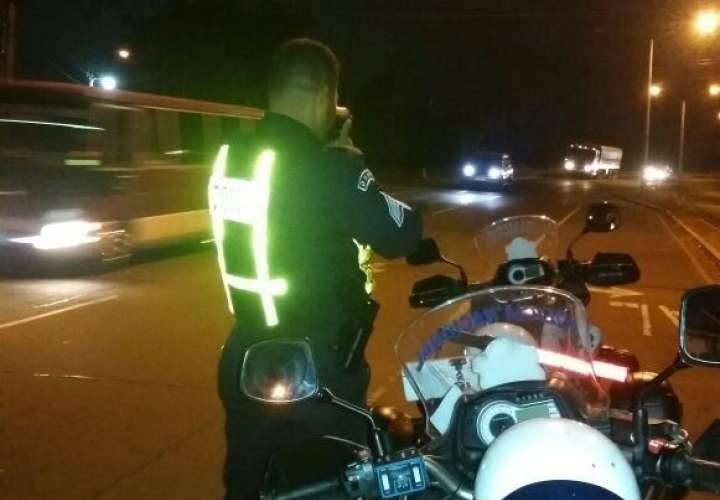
{"points": [[107, 382]]}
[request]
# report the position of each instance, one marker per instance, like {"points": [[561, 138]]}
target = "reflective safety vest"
{"points": [[246, 201]]}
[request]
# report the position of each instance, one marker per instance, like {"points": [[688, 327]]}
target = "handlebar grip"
{"points": [[680, 469], [704, 475], [307, 491]]}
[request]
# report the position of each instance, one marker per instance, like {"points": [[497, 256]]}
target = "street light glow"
{"points": [[655, 90], [707, 22], [714, 90], [123, 54]]}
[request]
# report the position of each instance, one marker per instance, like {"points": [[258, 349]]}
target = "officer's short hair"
{"points": [[303, 64]]}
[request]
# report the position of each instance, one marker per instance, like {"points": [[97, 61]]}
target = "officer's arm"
{"points": [[375, 218]]}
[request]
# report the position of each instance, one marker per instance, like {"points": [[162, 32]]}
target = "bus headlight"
{"points": [[494, 173], [469, 170], [569, 165], [59, 235]]}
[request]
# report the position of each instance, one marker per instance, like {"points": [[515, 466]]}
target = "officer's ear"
{"points": [[325, 104]]}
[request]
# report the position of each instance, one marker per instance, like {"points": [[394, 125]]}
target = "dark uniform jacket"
{"points": [[321, 199]]}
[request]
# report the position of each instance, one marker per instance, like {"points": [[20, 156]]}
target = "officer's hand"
{"points": [[344, 140]]}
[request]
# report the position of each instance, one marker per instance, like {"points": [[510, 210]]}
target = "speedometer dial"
{"points": [[494, 419]]}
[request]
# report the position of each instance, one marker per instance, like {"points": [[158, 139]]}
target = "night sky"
{"points": [[426, 80]]}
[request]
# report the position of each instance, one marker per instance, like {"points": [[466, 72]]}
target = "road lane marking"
{"points": [[65, 375], [630, 305], [562, 221], [615, 292], [644, 314], [57, 311], [708, 246], [671, 315], [570, 215], [56, 302], [710, 225], [703, 274], [445, 210], [647, 327]]}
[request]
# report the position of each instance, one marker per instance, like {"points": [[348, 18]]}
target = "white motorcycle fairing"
{"points": [[547, 449]]}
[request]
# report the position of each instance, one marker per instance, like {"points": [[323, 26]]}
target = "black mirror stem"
{"points": [[573, 242], [640, 417], [463, 276], [326, 396]]}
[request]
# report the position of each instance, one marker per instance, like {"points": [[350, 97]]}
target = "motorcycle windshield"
{"points": [[498, 336], [520, 237]]}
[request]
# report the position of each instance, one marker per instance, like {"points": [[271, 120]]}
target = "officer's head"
{"points": [[303, 84]]}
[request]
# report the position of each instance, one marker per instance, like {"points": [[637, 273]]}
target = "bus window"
{"points": [[233, 129], [212, 126], [192, 139], [39, 134], [115, 120], [168, 127]]}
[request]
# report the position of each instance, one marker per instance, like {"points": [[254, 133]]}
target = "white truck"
{"points": [[593, 160]]}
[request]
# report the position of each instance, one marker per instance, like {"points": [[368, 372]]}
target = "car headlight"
{"points": [[494, 172], [654, 174], [569, 165], [58, 235], [469, 170]]}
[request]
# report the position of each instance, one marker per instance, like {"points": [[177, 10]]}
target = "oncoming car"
{"points": [[655, 174], [486, 167]]}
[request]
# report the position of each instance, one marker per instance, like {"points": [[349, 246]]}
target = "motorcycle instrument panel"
{"points": [[486, 420]]}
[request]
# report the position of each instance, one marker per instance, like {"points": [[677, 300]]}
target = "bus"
{"points": [[94, 174]]}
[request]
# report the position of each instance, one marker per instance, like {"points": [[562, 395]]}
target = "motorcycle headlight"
{"points": [[58, 235], [469, 170]]}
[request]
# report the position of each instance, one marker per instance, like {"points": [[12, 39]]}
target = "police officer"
{"points": [[289, 257]]}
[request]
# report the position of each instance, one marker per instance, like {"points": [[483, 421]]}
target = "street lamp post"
{"points": [[646, 151], [681, 149], [707, 23]]}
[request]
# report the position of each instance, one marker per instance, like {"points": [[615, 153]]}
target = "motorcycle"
{"points": [[510, 353], [507, 379], [523, 250]]}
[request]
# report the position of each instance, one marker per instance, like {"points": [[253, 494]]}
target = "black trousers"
{"points": [[255, 432]]}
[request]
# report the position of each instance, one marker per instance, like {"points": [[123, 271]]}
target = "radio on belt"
{"points": [[401, 477]]}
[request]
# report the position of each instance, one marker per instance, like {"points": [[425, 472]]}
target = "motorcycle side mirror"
{"points": [[427, 252], [699, 346], [433, 291], [602, 218], [279, 371], [611, 269], [283, 371], [700, 327]]}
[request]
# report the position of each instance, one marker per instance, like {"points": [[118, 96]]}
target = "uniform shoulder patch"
{"points": [[366, 178], [396, 209]]}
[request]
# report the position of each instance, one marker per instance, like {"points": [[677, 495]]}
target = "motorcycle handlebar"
{"points": [[694, 473], [307, 491]]}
